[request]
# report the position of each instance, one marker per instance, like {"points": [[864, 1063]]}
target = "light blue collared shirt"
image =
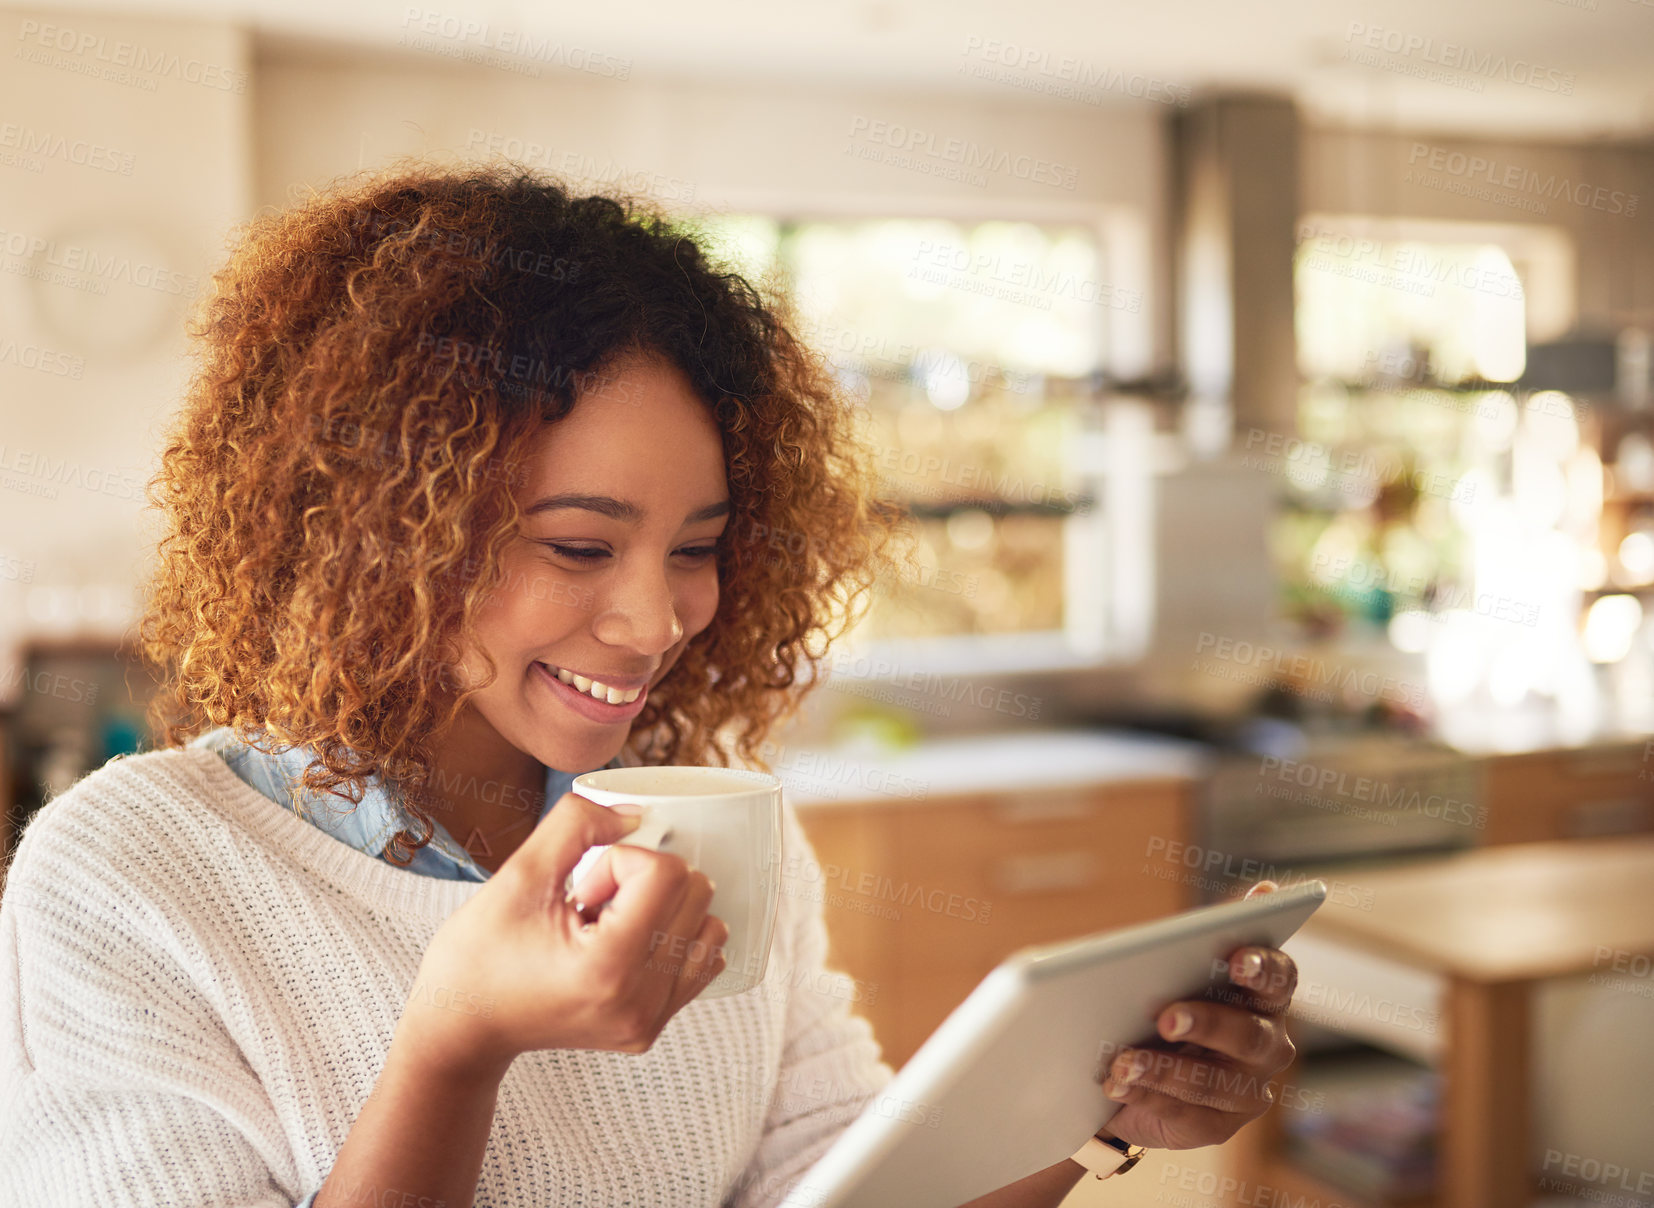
{"points": [[368, 826]]}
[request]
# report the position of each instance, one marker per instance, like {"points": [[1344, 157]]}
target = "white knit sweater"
{"points": [[198, 990]]}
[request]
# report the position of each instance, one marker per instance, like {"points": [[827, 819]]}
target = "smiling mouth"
{"points": [[598, 691]]}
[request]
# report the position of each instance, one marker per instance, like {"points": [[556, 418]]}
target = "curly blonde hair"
{"points": [[372, 366]]}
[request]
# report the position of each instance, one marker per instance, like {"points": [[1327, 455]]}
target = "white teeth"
{"points": [[597, 691]]}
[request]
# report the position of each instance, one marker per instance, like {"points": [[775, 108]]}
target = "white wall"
{"points": [[142, 172], [736, 147]]}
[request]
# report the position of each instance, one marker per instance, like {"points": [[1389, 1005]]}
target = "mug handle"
{"points": [[651, 832]]}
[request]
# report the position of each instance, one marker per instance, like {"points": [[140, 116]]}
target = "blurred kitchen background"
{"points": [[1272, 386]]}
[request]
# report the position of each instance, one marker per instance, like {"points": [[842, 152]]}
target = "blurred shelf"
{"points": [[1405, 385], [1371, 1126], [941, 510]]}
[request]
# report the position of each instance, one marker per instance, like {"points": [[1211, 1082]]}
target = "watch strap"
{"points": [[1105, 1156]]}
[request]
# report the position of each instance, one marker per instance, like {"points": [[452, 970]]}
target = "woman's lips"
{"points": [[586, 705]]}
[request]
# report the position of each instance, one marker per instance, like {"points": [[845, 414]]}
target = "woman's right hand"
{"points": [[517, 968]]}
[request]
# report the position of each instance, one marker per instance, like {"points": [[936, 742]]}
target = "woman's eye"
{"points": [[579, 553], [584, 554]]}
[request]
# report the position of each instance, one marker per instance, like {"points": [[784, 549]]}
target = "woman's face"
{"points": [[613, 569]]}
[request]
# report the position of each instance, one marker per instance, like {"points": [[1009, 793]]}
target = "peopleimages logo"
{"points": [[95, 55], [1454, 57], [83, 266], [908, 142], [1361, 576], [1304, 670], [578, 164], [37, 473], [1348, 470], [1016, 280], [1398, 266], [46, 360], [1385, 795], [1035, 70], [1551, 185], [467, 38], [28, 141]]}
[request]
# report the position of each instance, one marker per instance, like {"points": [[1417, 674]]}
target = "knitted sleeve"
{"points": [[119, 1085], [830, 1063]]}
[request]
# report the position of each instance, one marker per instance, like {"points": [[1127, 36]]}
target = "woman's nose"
{"points": [[638, 611]]}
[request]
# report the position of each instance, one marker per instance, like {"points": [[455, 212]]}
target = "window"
{"points": [[973, 347], [1454, 310], [1431, 495]]}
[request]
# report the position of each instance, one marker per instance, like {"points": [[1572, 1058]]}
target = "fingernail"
{"points": [[1114, 1090], [1177, 1022], [1262, 887], [1251, 965], [627, 809], [1129, 1068]]}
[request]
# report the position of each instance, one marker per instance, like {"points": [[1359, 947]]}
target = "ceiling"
{"points": [[1420, 65]]}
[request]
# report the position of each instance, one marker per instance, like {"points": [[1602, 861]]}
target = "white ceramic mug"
{"points": [[725, 822]]}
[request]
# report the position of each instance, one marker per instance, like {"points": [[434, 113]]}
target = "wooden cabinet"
{"points": [[922, 899], [1569, 794]]}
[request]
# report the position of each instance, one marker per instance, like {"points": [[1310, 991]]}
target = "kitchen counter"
{"points": [[950, 766], [935, 861]]}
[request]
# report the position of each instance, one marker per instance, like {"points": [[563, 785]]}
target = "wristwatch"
{"points": [[1105, 1156]]}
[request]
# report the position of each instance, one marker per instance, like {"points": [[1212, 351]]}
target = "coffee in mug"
{"points": [[724, 821]]}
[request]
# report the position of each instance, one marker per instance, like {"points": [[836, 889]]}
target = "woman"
{"points": [[459, 505]]}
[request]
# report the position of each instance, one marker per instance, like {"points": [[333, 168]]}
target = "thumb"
{"points": [[570, 827]]}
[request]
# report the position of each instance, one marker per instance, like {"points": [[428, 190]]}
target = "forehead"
{"points": [[639, 429]]}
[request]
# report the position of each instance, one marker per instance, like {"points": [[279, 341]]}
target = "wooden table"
{"points": [[1492, 923]]}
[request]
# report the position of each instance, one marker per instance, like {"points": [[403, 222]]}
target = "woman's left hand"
{"points": [[1212, 1074]]}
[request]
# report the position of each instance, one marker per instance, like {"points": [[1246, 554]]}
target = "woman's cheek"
{"points": [[700, 604]]}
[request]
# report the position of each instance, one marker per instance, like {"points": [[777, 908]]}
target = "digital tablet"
{"points": [[1008, 1085]]}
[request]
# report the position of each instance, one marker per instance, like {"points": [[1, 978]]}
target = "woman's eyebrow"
{"points": [[617, 509]]}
